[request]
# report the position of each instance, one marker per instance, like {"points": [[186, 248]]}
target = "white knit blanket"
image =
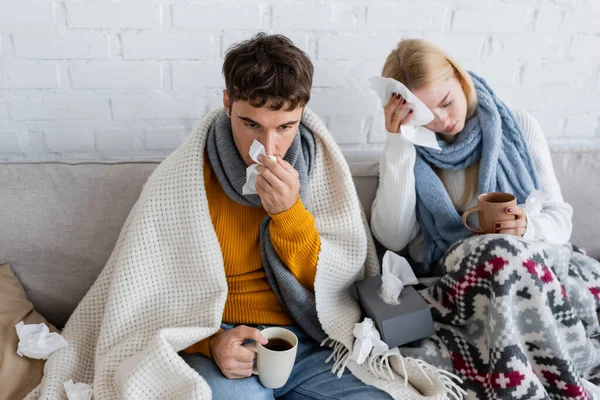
{"points": [[164, 287]]}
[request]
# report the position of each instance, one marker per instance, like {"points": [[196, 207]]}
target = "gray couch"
{"points": [[59, 221]]}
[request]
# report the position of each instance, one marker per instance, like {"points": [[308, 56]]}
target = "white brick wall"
{"points": [[129, 78]]}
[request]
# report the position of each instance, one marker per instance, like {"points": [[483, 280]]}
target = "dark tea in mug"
{"points": [[277, 344]]}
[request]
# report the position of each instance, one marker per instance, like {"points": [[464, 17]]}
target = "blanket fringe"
{"points": [[340, 355], [380, 367], [451, 381]]}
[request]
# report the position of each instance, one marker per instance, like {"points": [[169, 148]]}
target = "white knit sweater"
{"points": [[394, 218]]}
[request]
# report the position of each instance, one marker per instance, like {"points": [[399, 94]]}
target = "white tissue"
{"points": [[251, 173], [367, 340], [396, 273], [78, 391], [534, 203], [414, 131], [36, 341]]}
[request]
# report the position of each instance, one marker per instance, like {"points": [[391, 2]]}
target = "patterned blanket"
{"points": [[516, 320]]}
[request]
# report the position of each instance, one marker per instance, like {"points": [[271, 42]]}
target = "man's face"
{"points": [[275, 130]]}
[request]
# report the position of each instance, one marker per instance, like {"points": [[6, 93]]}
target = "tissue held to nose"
{"points": [[251, 173]]}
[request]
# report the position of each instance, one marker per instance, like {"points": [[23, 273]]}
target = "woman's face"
{"points": [[448, 103]]}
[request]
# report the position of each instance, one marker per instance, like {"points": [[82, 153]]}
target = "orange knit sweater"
{"points": [[250, 299]]}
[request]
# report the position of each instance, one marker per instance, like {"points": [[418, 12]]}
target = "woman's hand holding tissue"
{"points": [[278, 185], [396, 113]]}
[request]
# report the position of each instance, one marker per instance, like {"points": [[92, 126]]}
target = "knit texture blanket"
{"points": [[164, 287], [516, 320], [492, 137]]}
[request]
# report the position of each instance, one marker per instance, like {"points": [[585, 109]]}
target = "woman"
{"points": [[515, 311]]}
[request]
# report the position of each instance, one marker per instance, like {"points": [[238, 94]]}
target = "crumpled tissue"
{"points": [[78, 391], [414, 131], [534, 203], [367, 339], [36, 341], [251, 173], [396, 273]]}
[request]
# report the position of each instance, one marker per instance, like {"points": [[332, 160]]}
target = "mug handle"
{"points": [[464, 219], [253, 347]]}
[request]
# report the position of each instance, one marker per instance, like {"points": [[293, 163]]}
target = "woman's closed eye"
{"points": [[448, 104]]}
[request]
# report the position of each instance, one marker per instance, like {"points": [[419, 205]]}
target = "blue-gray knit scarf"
{"points": [[492, 137]]}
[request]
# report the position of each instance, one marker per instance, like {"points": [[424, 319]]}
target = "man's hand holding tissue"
{"points": [[278, 185], [233, 359]]}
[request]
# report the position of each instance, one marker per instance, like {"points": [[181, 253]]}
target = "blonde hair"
{"points": [[417, 64]]}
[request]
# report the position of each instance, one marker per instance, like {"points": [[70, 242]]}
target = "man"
{"points": [[200, 266], [268, 83]]}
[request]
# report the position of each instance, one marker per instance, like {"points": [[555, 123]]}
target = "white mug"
{"points": [[274, 367]]}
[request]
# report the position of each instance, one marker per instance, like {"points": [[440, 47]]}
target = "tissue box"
{"points": [[398, 324]]}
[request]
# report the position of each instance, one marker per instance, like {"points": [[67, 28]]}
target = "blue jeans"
{"points": [[311, 378]]}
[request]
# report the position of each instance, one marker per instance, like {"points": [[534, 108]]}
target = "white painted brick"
{"points": [[128, 75], [28, 76], [214, 102], [9, 141], [549, 19], [69, 141], [25, 14], [212, 16], [355, 47], [377, 135], [50, 45], [337, 102], [333, 74], [113, 15], [387, 17], [161, 46], [145, 108], [347, 129], [165, 138], [117, 140], [534, 101], [552, 124], [581, 126], [577, 72], [315, 17], [527, 46], [58, 108], [585, 20], [496, 18], [195, 76], [230, 38], [458, 46], [502, 72], [585, 47]]}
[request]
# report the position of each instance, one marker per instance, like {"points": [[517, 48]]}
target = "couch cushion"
{"points": [[18, 375], [60, 223], [579, 175]]}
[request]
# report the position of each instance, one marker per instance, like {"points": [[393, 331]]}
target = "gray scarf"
{"points": [[230, 169]]}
